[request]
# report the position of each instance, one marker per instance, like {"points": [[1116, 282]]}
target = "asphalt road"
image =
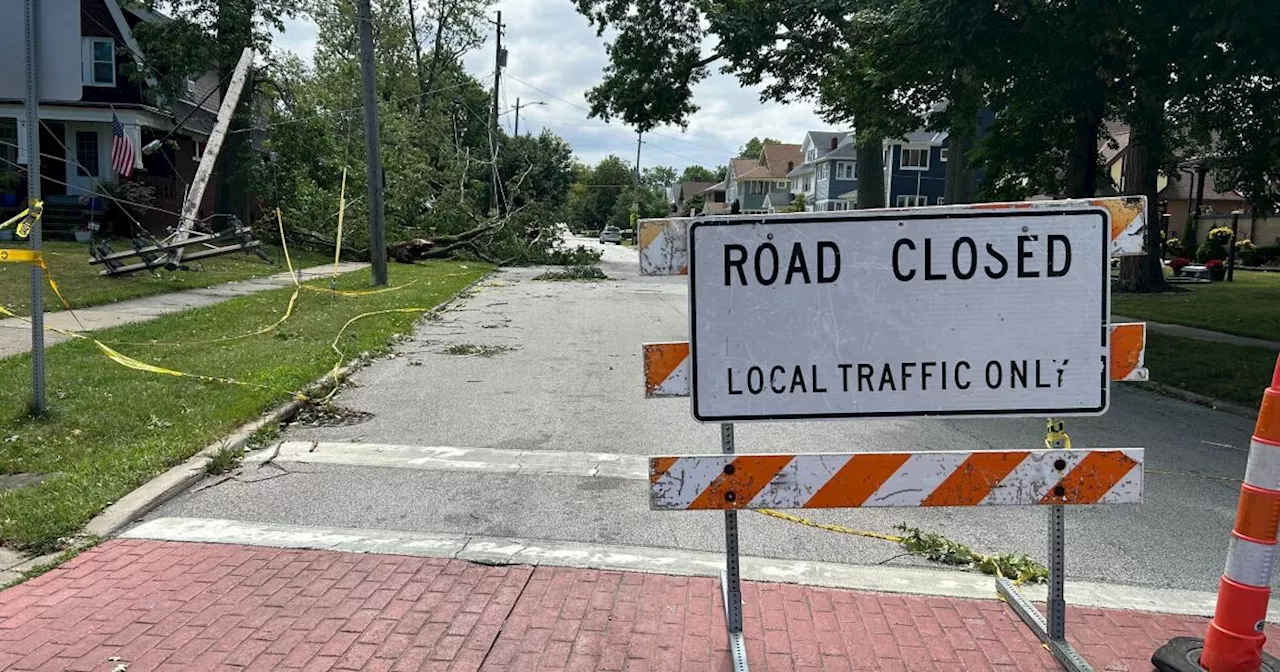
{"points": [[572, 381]]}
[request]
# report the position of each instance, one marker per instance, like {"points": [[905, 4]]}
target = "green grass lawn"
{"points": [[1250, 306], [109, 428], [1226, 372], [83, 287]]}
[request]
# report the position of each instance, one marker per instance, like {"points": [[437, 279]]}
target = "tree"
{"points": [[655, 60], [798, 204], [602, 194], [658, 176], [754, 146], [698, 174]]}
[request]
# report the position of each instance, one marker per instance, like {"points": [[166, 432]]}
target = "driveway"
{"points": [[564, 383]]}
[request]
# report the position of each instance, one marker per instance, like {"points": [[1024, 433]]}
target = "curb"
{"points": [[150, 495], [1200, 399], [164, 487]]}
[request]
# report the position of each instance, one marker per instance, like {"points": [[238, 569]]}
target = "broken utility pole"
{"points": [[190, 206]]}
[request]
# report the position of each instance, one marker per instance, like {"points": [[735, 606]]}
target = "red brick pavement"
{"points": [[174, 606]]}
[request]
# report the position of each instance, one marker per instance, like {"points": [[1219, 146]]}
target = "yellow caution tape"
{"points": [[830, 527], [35, 258], [138, 365], [333, 373], [361, 292], [28, 217]]}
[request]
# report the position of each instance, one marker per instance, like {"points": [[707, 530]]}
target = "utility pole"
{"points": [[32, 108], [635, 192], [518, 106], [499, 60], [373, 150]]}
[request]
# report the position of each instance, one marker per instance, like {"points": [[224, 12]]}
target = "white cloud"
{"points": [[555, 57]]}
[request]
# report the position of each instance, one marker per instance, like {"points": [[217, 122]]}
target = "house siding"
{"points": [[60, 78], [96, 21], [929, 183], [206, 85]]}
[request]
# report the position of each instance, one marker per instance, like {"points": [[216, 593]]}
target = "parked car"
{"points": [[611, 234]]}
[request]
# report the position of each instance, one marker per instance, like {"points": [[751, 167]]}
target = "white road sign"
{"points": [[906, 314]]}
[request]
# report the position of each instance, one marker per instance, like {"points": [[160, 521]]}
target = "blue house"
{"points": [[828, 176], [915, 169]]}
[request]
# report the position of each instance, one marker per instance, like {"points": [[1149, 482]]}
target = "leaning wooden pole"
{"points": [[196, 193]]}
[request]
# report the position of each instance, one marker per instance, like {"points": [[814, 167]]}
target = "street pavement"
{"points": [[570, 385], [133, 605]]}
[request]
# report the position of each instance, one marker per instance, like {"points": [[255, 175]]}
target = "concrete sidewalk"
{"points": [[1202, 334], [15, 334], [155, 605]]}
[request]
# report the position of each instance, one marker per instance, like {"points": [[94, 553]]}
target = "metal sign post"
{"points": [[32, 105], [731, 581]]}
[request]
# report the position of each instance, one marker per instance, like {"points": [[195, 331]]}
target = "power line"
{"points": [[588, 110]]}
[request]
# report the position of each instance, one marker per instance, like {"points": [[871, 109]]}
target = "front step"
{"points": [[61, 220]]}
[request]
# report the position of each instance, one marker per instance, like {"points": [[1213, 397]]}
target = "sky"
{"points": [[555, 56]]}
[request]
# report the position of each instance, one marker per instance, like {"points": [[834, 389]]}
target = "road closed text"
{"points": [[890, 377]]}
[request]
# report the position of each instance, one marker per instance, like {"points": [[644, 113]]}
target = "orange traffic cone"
{"points": [[1234, 641]]}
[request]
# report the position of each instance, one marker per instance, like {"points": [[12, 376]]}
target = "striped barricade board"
{"points": [[908, 479]]}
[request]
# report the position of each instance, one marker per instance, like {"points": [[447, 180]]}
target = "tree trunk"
{"points": [[1141, 177], [959, 180], [870, 174], [1082, 164]]}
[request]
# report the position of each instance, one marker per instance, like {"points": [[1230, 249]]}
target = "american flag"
{"points": [[121, 148]]}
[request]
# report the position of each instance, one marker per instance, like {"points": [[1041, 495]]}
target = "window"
{"points": [[99, 62], [942, 155], [845, 170], [191, 85], [782, 185], [822, 171], [757, 187], [811, 155], [87, 153], [914, 159], [912, 201], [791, 165], [807, 183], [835, 142]]}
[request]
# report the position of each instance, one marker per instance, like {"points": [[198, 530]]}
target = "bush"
{"points": [[1264, 256], [1178, 264], [1217, 270], [1212, 248]]}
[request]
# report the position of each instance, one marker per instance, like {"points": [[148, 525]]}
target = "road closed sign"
{"points": [[908, 314]]}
